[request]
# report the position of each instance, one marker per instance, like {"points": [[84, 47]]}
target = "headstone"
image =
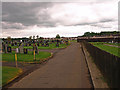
{"points": [[26, 44], [47, 45], [38, 44], [19, 44], [15, 43], [17, 50], [66, 42], [6, 48], [21, 48], [9, 50], [29, 44], [3, 47], [57, 45], [42, 44], [25, 51], [12, 44], [36, 49]]}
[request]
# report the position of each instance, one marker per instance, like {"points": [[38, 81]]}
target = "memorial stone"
{"points": [[21, 48], [25, 51], [9, 50], [57, 45]]}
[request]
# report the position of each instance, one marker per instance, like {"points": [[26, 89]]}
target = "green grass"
{"points": [[51, 46], [73, 40], [8, 73], [24, 57], [116, 44], [110, 49]]}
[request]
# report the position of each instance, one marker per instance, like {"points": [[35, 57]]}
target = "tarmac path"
{"points": [[67, 69]]}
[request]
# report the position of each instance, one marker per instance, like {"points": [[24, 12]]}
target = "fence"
{"points": [[108, 64]]}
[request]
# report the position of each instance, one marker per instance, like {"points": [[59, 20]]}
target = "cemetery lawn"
{"points": [[10, 57], [51, 46], [9, 73], [110, 49]]}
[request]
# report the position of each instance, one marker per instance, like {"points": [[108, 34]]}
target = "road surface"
{"points": [[67, 69]]}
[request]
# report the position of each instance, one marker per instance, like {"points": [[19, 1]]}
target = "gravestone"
{"points": [[17, 50], [47, 45], [36, 49], [26, 44], [6, 48], [57, 45], [66, 42], [12, 44], [3, 47], [29, 44], [42, 44], [15, 43], [38, 44], [19, 44], [25, 51], [9, 49], [21, 48]]}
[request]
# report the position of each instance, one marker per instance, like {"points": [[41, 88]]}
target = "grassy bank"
{"points": [[9, 73], [109, 49]]}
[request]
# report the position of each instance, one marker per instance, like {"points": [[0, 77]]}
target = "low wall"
{"points": [[108, 64]]}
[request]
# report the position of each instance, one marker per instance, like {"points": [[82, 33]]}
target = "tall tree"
{"points": [[37, 36], [33, 37], [58, 36], [9, 39]]}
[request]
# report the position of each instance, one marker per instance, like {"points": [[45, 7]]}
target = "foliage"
{"points": [[58, 36], [91, 34]]}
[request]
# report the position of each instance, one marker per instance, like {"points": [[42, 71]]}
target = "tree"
{"points": [[33, 37], [37, 36], [30, 38], [58, 36], [8, 38]]}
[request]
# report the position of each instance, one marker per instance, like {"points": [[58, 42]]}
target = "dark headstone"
{"points": [[38, 44], [47, 45], [30, 44], [57, 45], [9, 50], [25, 51], [42, 44], [12, 44]]}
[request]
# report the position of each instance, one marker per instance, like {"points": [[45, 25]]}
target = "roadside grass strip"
{"points": [[9, 74], [112, 50], [10, 57]]}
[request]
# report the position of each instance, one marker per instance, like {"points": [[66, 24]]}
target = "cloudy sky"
{"points": [[46, 19]]}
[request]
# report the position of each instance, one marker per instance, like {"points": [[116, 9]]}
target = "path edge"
{"points": [[95, 76]]}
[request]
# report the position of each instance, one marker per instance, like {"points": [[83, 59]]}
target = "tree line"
{"points": [[107, 33]]}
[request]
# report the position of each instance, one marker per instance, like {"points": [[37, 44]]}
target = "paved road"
{"points": [[67, 69]]}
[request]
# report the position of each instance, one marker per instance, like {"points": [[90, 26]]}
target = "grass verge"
{"points": [[109, 49], [9, 73], [24, 57]]}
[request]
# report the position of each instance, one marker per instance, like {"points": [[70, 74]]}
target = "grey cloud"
{"points": [[25, 13], [34, 13]]}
